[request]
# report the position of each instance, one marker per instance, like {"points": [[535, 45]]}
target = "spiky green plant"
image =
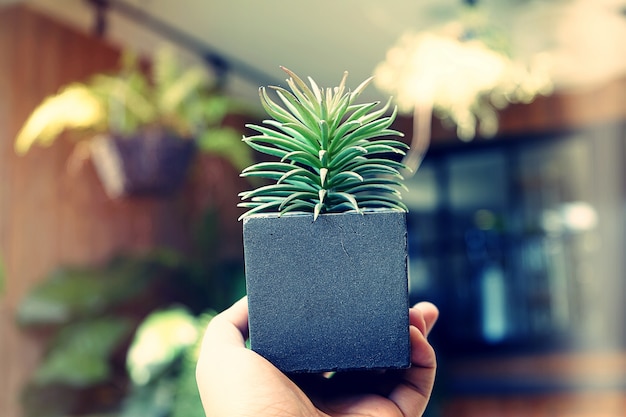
{"points": [[334, 155]]}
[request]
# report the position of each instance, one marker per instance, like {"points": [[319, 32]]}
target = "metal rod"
{"points": [[220, 62]]}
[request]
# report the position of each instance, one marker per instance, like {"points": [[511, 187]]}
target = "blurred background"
{"points": [[516, 111]]}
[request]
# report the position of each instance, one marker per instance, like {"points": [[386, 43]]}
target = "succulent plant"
{"points": [[334, 155]]}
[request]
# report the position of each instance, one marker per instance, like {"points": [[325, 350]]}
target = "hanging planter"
{"points": [[151, 164], [142, 131], [325, 245]]}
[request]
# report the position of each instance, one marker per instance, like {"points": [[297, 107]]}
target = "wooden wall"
{"points": [[564, 110], [52, 215]]}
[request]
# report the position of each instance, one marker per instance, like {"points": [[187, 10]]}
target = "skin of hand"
{"points": [[234, 381]]}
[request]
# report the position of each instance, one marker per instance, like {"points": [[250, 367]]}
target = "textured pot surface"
{"points": [[330, 294]]}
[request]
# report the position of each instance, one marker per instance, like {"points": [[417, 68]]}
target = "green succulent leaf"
{"points": [[259, 208], [344, 177], [296, 84], [298, 205], [301, 196], [333, 154], [304, 115], [347, 197]]}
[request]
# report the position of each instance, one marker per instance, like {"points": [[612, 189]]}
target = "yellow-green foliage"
{"points": [[180, 100]]}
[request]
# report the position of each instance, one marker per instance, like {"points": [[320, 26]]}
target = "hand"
{"points": [[236, 382]]}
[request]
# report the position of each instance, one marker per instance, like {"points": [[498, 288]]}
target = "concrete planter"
{"points": [[331, 294]]}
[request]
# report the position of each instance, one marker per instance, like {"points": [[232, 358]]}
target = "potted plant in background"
{"points": [[325, 244], [483, 75], [121, 338], [141, 129]]}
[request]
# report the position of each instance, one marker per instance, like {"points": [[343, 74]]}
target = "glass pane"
{"points": [[477, 181]]}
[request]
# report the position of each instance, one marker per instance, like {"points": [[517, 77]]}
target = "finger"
{"points": [[230, 327], [412, 394], [422, 353], [423, 316], [225, 331]]}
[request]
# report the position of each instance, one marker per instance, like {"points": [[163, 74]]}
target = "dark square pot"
{"points": [[330, 294]]}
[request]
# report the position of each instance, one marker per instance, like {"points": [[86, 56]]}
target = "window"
{"points": [[521, 242]]}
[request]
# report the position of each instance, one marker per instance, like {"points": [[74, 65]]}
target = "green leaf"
{"points": [[317, 210], [358, 111], [376, 182], [373, 189], [299, 111], [374, 129], [336, 180], [160, 339], [383, 201], [303, 196], [298, 205], [278, 190], [376, 169], [271, 166], [398, 145], [297, 84], [80, 353], [280, 140], [76, 107], [323, 174], [304, 158], [316, 91], [309, 100], [384, 165], [305, 132], [269, 150], [181, 89], [272, 175], [376, 148], [346, 155], [153, 400], [337, 113], [259, 208], [187, 401], [357, 91], [324, 134], [274, 110], [377, 114], [347, 197], [299, 133], [385, 161], [226, 142], [343, 130], [79, 292], [303, 173]]}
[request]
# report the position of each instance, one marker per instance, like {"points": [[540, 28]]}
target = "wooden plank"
{"points": [[39, 201], [8, 395]]}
